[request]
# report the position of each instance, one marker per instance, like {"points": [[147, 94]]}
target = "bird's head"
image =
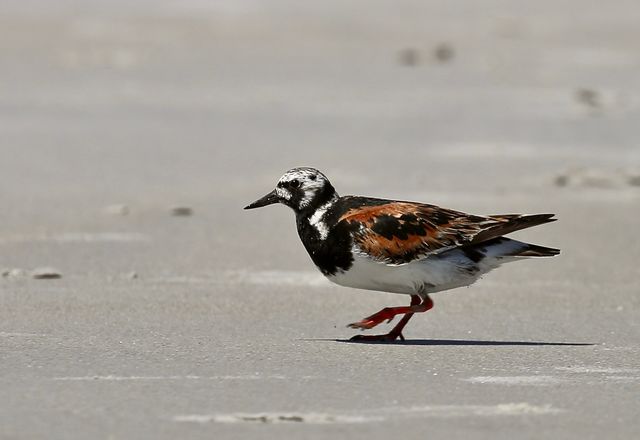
{"points": [[302, 189]]}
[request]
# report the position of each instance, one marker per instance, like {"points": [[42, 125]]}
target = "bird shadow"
{"points": [[461, 342]]}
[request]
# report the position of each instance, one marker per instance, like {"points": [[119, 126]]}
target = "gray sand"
{"points": [[215, 324]]}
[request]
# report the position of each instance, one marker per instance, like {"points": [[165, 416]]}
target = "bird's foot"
{"points": [[386, 314], [389, 337]]}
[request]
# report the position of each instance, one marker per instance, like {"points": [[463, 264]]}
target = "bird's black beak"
{"points": [[269, 199]]}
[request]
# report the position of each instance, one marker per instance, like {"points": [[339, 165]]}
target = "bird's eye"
{"points": [[295, 183]]}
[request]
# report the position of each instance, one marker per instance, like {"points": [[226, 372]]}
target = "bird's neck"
{"points": [[320, 202]]}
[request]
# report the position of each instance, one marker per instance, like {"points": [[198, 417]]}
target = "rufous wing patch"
{"points": [[399, 232]]}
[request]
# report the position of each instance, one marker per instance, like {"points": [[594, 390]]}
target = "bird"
{"points": [[396, 246]]}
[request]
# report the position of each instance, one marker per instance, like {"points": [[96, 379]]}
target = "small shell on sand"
{"points": [[12, 273], [409, 57], [181, 211], [46, 273], [589, 98], [597, 178], [444, 52]]}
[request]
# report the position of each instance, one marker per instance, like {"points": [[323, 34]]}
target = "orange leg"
{"points": [[417, 306], [388, 313]]}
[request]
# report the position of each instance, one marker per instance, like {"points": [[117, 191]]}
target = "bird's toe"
{"points": [[365, 324]]}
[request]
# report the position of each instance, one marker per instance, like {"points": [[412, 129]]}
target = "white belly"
{"points": [[433, 274]]}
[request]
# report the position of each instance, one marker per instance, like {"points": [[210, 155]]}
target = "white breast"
{"points": [[438, 272]]}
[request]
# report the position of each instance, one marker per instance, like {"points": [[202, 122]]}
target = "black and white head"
{"points": [[302, 189]]}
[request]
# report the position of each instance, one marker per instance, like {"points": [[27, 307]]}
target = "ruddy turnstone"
{"points": [[396, 246]]}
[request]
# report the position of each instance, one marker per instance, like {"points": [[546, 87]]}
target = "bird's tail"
{"points": [[506, 247], [533, 250]]}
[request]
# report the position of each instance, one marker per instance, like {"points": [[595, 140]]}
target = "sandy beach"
{"points": [[138, 299]]}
